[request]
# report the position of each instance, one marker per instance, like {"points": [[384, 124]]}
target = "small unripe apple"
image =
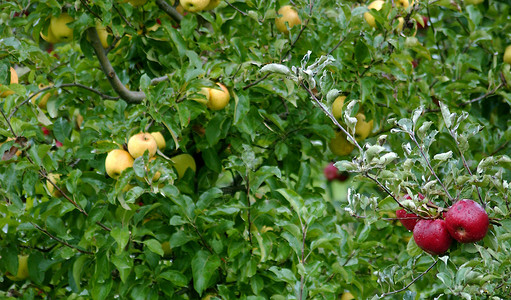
{"points": [[183, 162], [467, 221], [432, 236]]}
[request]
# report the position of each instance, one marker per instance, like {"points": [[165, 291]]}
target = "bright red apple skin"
{"points": [[330, 172], [432, 236], [467, 221], [409, 220]]}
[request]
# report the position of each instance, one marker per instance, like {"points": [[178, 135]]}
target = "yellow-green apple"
{"points": [[378, 4], [218, 99], [289, 16], [194, 5], [363, 128], [347, 296], [117, 161], [59, 27], [474, 2], [43, 97], [507, 55], [102, 34], [140, 143], [50, 38], [183, 162], [432, 236], [212, 4], [137, 2], [160, 140], [467, 221], [22, 273], [340, 145], [55, 178], [167, 250], [337, 107], [13, 80]]}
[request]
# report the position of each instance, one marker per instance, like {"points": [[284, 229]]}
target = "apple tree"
{"points": [[247, 102]]}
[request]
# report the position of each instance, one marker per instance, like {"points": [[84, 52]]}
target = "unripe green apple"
{"points": [[22, 273], [182, 162]]}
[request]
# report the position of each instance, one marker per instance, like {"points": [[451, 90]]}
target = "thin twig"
{"points": [[247, 179], [8, 123], [489, 93], [412, 282], [122, 16], [90, 10], [59, 240], [256, 82], [169, 10], [383, 187], [237, 9]]}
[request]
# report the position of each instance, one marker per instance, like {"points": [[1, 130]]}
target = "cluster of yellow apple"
{"points": [[507, 55], [14, 80], [58, 31], [340, 145], [119, 160], [288, 15], [378, 4], [216, 99]]}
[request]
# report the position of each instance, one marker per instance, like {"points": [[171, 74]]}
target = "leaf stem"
{"points": [[412, 282]]}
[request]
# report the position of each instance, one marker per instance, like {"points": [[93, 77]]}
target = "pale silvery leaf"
{"points": [[416, 114], [443, 156], [429, 185], [382, 139], [306, 58], [407, 148], [446, 114], [331, 95], [345, 165], [421, 132], [276, 68], [373, 150], [405, 124], [388, 158], [485, 163], [409, 204]]}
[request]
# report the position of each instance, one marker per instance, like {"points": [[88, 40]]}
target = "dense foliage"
{"points": [[257, 220]]}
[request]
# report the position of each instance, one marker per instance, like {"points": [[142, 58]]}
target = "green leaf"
{"points": [[121, 235], [154, 246], [204, 266]]}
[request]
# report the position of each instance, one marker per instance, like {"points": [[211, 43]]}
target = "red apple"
{"points": [[343, 176], [415, 63], [425, 19], [330, 172], [409, 220], [58, 144], [45, 130], [467, 221], [432, 236]]}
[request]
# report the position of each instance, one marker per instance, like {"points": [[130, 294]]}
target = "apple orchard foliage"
{"points": [[257, 220]]}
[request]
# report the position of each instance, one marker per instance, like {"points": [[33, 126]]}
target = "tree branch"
{"points": [[169, 10], [412, 282], [115, 82], [59, 240]]}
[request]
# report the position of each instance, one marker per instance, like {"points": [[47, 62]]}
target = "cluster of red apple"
{"points": [[465, 221], [332, 173]]}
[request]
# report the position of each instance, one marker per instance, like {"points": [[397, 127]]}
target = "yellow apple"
{"points": [[22, 273], [43, 97], [117, 161], [183, 162], [50, 38], [102, 34], [339, 145], [204, 91], [60, 29], [160, 140], [401, 23], [363, 128], [140, 143], [180, 9], [55, 178], [507, 55], [218, 99], [378, 4], [14, 80], [403, 3], [79, 120], [337, 107], [194, 5], [289, 16], [347, 296], [212, 4], [137, 2]]}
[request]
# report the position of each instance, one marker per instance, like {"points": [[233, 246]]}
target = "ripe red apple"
{"points": [[425, 19], [409, 220], [58, 144], [330, 172], [45, 130], [432, 236], [467, 221]]}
